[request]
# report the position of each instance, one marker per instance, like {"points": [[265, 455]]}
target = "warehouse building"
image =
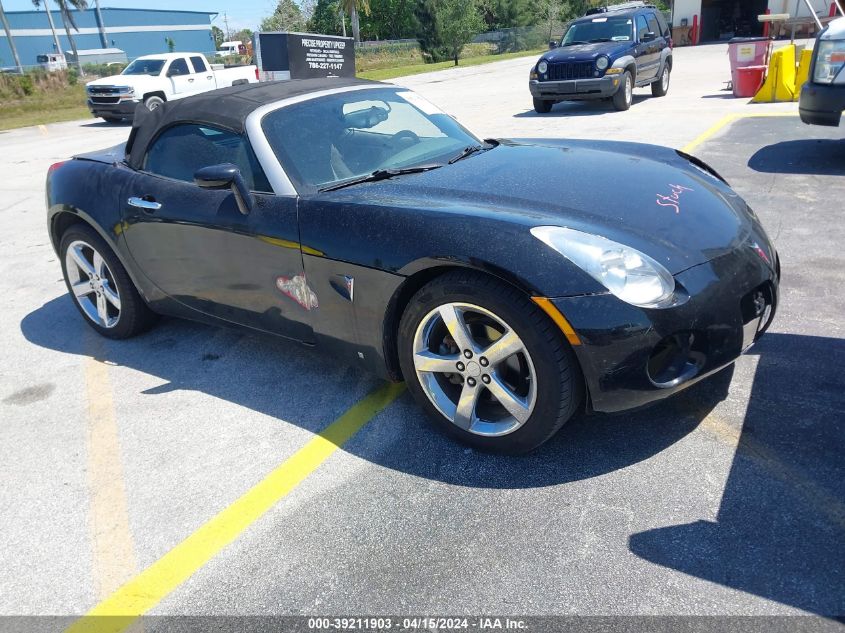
{"points": [[723, 19], [135, 31]]}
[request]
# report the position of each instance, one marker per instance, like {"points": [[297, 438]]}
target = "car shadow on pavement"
{"points": [[101, 123], [579, 108], [821, 157], [780, 530], [302, 386]]}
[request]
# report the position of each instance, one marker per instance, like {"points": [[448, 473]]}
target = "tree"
{"points": [[389, 20], [68, 21], [286, 17], [10, 39], [171, 45], [351, 7], [457, 22], [507, 14], [219, 37], [326, 18]]}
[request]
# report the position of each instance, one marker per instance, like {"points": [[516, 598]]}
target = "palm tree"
{"points": [[10, 38], [58, 44], [68, 21], [351, 7]]}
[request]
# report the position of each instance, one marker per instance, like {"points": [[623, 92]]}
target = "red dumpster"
{"points": [[748, 80], [748, 53]]}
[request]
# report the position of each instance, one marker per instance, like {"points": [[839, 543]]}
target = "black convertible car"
{"points": [[509, 283]]}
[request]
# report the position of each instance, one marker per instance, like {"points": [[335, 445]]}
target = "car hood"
{"points": [[648, 197], [134, 81], [585, 52]]}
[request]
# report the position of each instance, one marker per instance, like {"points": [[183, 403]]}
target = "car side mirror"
{"points": [[552, 44], [226, 176], [649, 36]]}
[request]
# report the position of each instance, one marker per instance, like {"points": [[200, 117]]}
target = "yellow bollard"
{"points": [[803, 71], [780, 77]]}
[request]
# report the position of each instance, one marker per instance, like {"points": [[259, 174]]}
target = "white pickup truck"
{"points": [[823, 95], [154, 79]]}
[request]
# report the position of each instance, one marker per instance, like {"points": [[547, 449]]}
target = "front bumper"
{"points": [[575, 89], [621, 344], [822, 104], [123, 109]]}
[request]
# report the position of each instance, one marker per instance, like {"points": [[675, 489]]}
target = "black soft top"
{"points": [[225, 108]]}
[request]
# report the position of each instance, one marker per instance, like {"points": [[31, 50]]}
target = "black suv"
{"points": [[604, 55]]}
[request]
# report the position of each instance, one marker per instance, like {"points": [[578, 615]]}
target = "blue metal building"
{"points": [[136, 31]]}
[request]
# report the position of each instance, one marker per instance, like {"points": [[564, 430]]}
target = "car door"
{"points": [[181, 78], [197, 246], [648, 52], [204, 75], [660, 39]]}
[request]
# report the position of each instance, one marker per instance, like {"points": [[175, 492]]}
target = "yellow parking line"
{"points": [[815, 496], [113, 549], [148, 588], [727, 120]]}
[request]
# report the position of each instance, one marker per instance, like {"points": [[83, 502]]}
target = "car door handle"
{"points": [[146, 205], [191, 80], [210, 77]]}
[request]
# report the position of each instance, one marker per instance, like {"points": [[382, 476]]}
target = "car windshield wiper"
{"points": [[573, 43], [380, 174], [600, 39], [467, 151]]}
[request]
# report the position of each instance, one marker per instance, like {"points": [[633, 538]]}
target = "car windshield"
{"points": [[144, 67], [601, 29], [342, 136]]}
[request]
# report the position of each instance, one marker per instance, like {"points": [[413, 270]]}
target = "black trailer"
{"points": [[281, 56]]}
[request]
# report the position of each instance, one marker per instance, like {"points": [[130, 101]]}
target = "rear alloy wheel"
{"points": [[542, 106], [487, 364], [153, 102], [660, 87], [625, 95], [100, 286]]}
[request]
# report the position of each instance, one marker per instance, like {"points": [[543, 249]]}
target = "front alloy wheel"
{"points": [[486, 363], [625, 95], [475, 369]]}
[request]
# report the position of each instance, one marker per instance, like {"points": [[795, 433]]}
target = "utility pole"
{"points": [[56, 42], [226, 23], [10, 38], [104, 40]]}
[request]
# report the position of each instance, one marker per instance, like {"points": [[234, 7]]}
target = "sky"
{"points": [[240, 13]]}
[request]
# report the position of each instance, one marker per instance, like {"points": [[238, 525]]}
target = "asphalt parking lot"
{"points": [[727, 500]]}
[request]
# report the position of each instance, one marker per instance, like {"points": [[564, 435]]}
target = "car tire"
{"points": [[153, 102], [111, 119], [542, 378], [625, 95], [660, 87], [110, 303], [542, 106]]}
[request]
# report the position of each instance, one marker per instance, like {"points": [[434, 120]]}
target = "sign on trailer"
{"points": [[282, 56]]}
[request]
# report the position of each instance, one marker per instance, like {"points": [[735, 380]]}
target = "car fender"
{"points": [[665, 57], [626, 61], [89, 191]]}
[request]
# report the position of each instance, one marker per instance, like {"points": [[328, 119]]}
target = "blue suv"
{"points": [[605, 55]]}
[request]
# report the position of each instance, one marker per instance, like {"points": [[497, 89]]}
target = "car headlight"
{"points": [[542, 67], [602, 62], [829, 60], [629, 274]]}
